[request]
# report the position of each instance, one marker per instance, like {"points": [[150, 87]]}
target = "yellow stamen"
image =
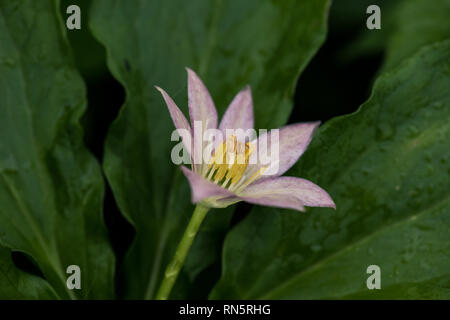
{"points": [[229, 162], [256, 175]]}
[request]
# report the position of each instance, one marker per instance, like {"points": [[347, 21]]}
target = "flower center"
{"points": [[229, 162]]}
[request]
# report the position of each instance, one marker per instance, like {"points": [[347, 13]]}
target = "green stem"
{"points": [[174, 267]]}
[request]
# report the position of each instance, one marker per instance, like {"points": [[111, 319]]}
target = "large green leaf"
{"points": [[230, 44], [417, 23], [16, 284], [51, 188], [387, 167]]}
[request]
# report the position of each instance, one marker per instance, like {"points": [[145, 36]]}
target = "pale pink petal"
{"points": [[203, 116], [294, 139], [292, 142], [239, 114], [228, 201], [287, 192], [201, 105], [202, 188], [178, 118]]}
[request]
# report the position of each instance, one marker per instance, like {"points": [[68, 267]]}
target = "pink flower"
{"points": [[220, 183]]}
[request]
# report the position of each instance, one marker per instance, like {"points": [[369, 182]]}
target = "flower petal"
{"points": [[292, 142], [225, 202], [287, 192], [201, 105], [294, 139], [178, 118], [239, 114], [202, 188]]}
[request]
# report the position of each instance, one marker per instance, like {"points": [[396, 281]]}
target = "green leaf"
{"points": [[51, 188], [230, 44], [16, 284], [387, 167], [417, 23]]}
